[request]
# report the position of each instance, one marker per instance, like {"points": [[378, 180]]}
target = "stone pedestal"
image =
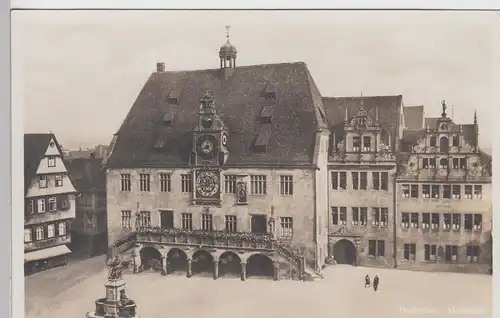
{"points": [[115, 304]]}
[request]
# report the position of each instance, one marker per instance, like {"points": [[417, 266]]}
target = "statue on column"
{"points": [[272, 224], [115, 269]]}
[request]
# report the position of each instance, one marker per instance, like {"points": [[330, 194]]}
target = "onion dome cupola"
{"points": [[228, 53]]}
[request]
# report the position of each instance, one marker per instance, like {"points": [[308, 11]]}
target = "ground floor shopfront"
{"points": [[42, 259]]}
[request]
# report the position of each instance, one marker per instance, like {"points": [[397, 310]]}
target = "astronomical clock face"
{"points": [[206, 122], [207, 183], [224, 139], [207, 147]]}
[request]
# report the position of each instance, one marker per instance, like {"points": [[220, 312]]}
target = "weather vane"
{"points": [[227, 31]]}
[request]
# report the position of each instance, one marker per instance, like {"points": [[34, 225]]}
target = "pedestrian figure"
{"points": [[375, 282], [367, 281]]}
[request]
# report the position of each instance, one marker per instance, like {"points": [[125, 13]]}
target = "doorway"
{"points": [[344, 252], [167, 219], [259, 224]]}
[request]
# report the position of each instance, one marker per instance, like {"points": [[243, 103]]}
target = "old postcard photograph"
{"points": [[255, 163]]}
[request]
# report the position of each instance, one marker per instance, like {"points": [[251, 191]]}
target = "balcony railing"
{"points": [[243, 240]]}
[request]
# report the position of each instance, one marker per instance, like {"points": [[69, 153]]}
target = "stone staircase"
{"points": [[298, 261]]}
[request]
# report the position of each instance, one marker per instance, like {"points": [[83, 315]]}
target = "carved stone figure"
{"points": [[115, 269]]}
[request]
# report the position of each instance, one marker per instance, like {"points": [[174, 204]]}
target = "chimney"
{"points": [[160, 67]]}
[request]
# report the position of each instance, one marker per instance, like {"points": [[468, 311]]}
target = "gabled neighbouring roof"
{"points": [[87, 174], [239, 101], [414, 117], [35, 146]]}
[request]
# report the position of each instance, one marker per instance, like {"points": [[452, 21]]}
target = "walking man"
{"points": [[375, 282], [367, 281]]}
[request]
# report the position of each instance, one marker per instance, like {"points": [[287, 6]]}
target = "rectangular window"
{"points": [[258, 184], [52, 204], [375, 217], [42, 182], [186, 183], [478, 222], [145, 218], [355, 215], [435, 191], [468, 191], [468, 221], [363, 216], [446, 221], [455, 163], [165, 182], [41, 205], [463, 163], [126, 219], [384, 217], [473, 253], [207, 222], [414, 220], [456, 141], [286, 185], [380, 248], [430, 252], [31, 206], [28, 235], [414, 191], [356, 143], [405, 220], [40, 235], [426, 191], [230, 184], [426, 220], [335, 215], [367, 143], [456, 221], [338, 180], [363, 178], [62, 228], [451, 253], [144, 182], [384, 181], [355, 180], [125, 182], [230, 223], [59, 180], [376, 180], [286, 227], [435, 221], [51, 161], [478, 191], [425, 163], [342, 215], [446, 191], [432, 163], [455, 191], [410, 251], [187, 221], [51, 231], [405, 189], [376, 248]]}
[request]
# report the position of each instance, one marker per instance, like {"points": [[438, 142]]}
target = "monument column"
{"points": [[164, 265], [189, 272], [216, 268], [276, 274], [243, 271]]}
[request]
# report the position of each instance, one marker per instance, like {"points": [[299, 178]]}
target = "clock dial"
{"points": [[207, 184], [207, 146], [206, 122], [224, 139]]}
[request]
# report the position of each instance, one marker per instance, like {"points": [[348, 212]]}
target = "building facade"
{"points": [[444, 215], [236, 176], [89, 228], [264, 172], [49, 201]]}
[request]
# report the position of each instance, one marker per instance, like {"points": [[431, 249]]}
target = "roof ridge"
{"points": [[237, 67], [364, 97]]}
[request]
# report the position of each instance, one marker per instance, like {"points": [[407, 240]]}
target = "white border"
{"points": [[16, 291]]}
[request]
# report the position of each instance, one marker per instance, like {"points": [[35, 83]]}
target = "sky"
{"points": [[79, 72]]}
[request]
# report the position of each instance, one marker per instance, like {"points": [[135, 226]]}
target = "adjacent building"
{"points": [[49, 201], [89, 228], [250, 170]]}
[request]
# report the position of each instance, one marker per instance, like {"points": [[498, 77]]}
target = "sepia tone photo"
{"points": [[256, 163]]}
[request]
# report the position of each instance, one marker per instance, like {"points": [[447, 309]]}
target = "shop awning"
{"points": [[46, 253]]}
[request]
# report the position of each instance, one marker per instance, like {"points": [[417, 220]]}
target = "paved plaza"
{"points": [[70, 292]]}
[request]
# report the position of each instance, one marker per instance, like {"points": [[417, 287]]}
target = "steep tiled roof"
{"points": [[239, 100], [87, 174], [35, 146], [414, 117]]}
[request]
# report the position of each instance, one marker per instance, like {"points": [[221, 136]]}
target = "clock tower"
{"points": [[210, 137]]}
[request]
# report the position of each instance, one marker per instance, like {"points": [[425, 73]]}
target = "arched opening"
{"points": [[443, 163], [229, 265], [202, 262], [176, 261], [150, 258], [345, 252], [443, 144], [260, 265]]}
